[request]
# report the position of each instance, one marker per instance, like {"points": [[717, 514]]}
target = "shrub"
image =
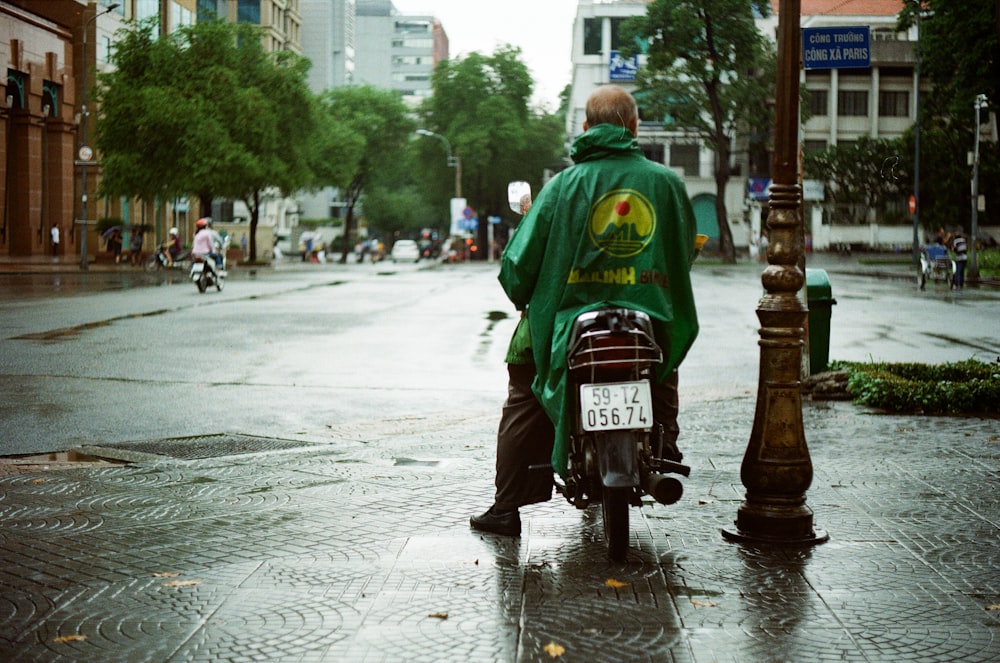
{"points": [[964, 387]]}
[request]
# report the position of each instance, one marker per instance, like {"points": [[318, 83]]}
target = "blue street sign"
{"points": [[622, 70], [836, 48]]}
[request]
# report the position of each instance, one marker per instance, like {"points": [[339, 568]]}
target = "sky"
{"points": [[542, 28]]}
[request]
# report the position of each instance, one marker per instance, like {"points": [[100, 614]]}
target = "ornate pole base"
{"points": [[776, 467]]}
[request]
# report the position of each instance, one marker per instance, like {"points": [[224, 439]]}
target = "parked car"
{"points": [[405, 250]]}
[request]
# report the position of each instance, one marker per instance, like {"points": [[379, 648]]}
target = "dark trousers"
{"points": [[526, 436]]}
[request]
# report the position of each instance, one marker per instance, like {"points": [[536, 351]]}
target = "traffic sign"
{"points": [[912, 203], [836, 48]]}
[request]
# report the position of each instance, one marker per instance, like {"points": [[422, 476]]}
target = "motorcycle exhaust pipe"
{"points": [[663, 489]]}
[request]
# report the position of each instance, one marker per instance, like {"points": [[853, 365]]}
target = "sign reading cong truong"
{"points": [[836, 48]]}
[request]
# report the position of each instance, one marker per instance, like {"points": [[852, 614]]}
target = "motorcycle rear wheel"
{"points": [[202, 282], [614, 509]]}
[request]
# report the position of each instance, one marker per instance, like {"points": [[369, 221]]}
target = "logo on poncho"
{"points": [[621, 223]]}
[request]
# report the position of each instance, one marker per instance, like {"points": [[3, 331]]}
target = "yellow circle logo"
{"points": [[621, 223]]}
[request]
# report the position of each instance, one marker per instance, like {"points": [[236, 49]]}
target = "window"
{"points": [[248, 11], [592, 28], [813, 146], [653, 152], [146, 9], [852, 103], [893, 103], [819, 101], [686, 157], [616, 27]]}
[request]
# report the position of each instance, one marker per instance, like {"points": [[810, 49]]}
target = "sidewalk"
{"points": [[363, 553], [243, 548]]}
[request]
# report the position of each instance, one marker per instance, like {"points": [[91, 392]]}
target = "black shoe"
{"points": [[505, 524]]}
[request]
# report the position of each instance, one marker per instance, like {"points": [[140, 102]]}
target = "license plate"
{"points": [[616, 406]]}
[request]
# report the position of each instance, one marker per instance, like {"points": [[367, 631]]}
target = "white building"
{"points": [[596, 62]]}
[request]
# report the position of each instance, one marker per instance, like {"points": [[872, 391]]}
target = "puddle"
{"points": [[414, 462], [57, 460]]}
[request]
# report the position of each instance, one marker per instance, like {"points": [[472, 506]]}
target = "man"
{"points": [[54, 235], [614, 229]]}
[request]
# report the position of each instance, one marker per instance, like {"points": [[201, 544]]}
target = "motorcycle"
{"points": [[161, 260], [616, 450], [204, 272]]}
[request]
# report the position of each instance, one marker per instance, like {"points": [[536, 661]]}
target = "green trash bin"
{"points": [[819, 297]]}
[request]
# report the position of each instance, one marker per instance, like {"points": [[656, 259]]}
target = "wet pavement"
{"points": [[243, 548]]}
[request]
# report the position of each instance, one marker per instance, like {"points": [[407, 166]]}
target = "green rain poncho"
{"points": [[614, 229]]}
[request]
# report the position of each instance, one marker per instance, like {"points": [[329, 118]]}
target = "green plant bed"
{"points": [[965, 387]]}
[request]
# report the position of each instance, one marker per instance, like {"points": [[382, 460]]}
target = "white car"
{"points": [[405, 250]]}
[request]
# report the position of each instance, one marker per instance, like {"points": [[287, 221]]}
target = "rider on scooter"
{"points": [[204, 243], [614, 229]]}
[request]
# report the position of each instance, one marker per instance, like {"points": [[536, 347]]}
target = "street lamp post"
{"points": [[776, 469], [980, 104], [453, 161], [85, 153]]}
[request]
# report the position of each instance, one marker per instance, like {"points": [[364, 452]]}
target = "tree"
{"points": [[707, 71], [380, 122], [960, 54], [206, 111], [860, 177], [481, 105]]}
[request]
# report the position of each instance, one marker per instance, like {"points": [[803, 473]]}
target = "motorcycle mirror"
{"points": [[519, 196]]}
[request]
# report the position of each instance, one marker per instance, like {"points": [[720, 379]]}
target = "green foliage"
{"points": [[856, 178], [710, 71], [988, 261], [956, 76], [379, 125], [206, 111], [481, 107], [970, 386]]}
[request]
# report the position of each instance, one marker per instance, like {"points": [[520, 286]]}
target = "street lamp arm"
{"points": [[453, 161]]}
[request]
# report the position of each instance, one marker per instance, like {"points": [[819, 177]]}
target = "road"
{"points": [[330, 352]]}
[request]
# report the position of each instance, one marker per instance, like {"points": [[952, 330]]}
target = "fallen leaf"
{"points": [[554, 650], [182, 583], [70, 638], [995, 606], [166, 574], [617, 584], [38, 481], [439, 615], [703, 501], [702, 604]]}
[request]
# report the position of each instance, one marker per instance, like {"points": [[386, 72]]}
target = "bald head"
{"points": [[610, 104]]}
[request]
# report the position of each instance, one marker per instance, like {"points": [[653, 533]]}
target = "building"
{"points": [[596, 61], [45, 48], [328, 40], [367, 42], [396, 51], [879, 101], [844, 104]]}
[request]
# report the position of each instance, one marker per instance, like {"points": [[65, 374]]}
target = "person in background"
{"points": [[135, 247], [203, 245], [173, 247], [54, 234], [960, 247]]}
